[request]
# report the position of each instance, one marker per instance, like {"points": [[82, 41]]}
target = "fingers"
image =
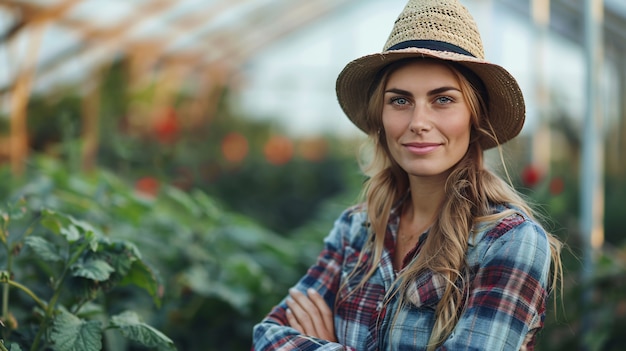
{"points": [[327, 329], [310, 314], [304, 311], [293, 322], [322, 307]]}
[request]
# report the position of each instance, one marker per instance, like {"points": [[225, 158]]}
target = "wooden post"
{"points": [[19, 102], [91, 123]]}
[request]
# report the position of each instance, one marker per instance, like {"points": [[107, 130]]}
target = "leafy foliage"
{"points": [[202, 273], [133, 328], [79, 263], [71, 333]]}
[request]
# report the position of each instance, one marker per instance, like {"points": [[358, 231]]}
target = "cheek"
{"points": [[461, 129], [462, 132], [393, 124]]}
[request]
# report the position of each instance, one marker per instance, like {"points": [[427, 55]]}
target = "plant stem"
{"points": [[9, 268], [5, 295], [2, 347], [5, 287], [28, 292], [57, 292], [5, 300]]}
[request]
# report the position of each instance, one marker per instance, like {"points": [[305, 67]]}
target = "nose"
{"points": [[420, 121]]}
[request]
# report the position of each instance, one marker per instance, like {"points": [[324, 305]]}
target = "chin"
{"points": [[427, 174]]}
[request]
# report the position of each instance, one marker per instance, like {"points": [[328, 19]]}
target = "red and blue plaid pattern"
{"points": [[509, 263]]}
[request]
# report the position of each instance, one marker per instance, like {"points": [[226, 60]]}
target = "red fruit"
{"points": [[531, 176], [278, 150], [147, 186], [166, 126]]}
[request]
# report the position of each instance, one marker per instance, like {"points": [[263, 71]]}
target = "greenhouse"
{"points": [[172, 167]]}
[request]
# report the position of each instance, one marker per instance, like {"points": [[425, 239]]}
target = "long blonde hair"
{"points": [[470, 190]]}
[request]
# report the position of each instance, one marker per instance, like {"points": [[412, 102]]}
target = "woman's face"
{"points": [[425, 118]]}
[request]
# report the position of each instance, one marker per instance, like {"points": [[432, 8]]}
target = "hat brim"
{"points": [[505, 110]]}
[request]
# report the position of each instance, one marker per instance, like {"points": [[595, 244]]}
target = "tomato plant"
{"points": [[79, 264]]}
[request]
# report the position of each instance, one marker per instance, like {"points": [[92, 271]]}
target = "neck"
{"points": [[426, 196], [418, 214]]}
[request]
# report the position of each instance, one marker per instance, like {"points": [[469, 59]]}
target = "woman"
{"points": [[442, 254]]}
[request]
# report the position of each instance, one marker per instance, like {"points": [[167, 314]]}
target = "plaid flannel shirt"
{"points": [[509, 264]]}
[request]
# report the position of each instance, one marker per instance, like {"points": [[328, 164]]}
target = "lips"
{"points": [[421, 148]]}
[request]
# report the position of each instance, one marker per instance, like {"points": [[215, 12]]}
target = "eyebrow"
{"points": [[431, 92]]}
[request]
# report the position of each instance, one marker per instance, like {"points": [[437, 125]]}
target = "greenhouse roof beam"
{"points": [[250, 39], [31, 13], [108, 41]]}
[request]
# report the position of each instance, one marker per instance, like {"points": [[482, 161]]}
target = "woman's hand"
{"points": [[310, 315]]}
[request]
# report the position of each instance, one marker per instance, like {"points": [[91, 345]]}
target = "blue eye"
{"points": [[444, 100], [399, 101]]}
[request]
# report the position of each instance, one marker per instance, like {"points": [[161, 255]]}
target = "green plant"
{"points": [[220, 272], [79, 264]]}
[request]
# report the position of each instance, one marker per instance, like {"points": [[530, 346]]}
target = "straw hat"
{"points": [[441, 29]]}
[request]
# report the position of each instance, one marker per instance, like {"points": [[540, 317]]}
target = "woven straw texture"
{"points": [[444, 21], [449, 22]]}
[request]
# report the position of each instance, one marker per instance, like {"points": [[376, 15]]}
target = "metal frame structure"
{"points": [[201, 40], [197, 42]]}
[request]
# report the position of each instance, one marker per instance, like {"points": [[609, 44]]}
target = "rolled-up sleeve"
{"points": [[273, 332]]}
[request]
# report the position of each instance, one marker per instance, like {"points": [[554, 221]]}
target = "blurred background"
{"points": [[207, 133]]}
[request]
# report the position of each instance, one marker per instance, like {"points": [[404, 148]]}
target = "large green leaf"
{"points": [[70, 333], [93, 269], [53, 221], [144, 277], [70, 233], [119, 254], [133, 328], [44, 249], [67, 226], [197, 278]]}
